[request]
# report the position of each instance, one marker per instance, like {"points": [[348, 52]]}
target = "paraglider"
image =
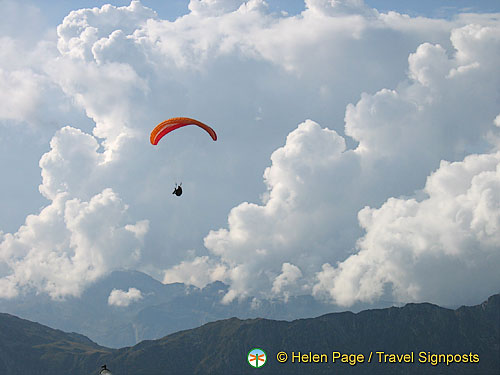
{"points": [[169, 125], [104, 370], [178, 190], [165, 127]]}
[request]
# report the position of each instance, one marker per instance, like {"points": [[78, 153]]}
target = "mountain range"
{"points": [[470, 335], [163, 309]]}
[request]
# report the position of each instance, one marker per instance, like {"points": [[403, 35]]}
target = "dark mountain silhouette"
{"points": [[31, 348], [221, 347]]}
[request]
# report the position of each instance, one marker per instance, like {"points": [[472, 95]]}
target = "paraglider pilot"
{"points": [[178, 190], [104, 370]]}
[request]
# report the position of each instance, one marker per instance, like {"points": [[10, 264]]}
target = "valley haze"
{"points": [[354, 164]]}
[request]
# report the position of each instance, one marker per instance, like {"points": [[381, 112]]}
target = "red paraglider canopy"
{"points": [[169, 125]]}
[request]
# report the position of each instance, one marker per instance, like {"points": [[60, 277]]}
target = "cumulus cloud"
{"points": [[294, 216], [338, 7], [441, 249], [85, 232], [127, 70], [67, 166], [121, 298], [214, 7], [70, 244], [316, 186], [199, 272], [82, 28], [286, 279]]}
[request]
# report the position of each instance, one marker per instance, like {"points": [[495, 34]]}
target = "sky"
{"points": [[357, 157]]}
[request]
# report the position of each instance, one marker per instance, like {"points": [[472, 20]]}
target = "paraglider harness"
{"points": [[178, 190]]}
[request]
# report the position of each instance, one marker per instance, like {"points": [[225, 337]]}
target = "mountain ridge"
{"points": [[221, 347]]}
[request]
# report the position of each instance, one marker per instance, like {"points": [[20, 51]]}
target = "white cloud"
{"points": [[429, 92], [441, 249], [70, 244], [28, 95], [198, 272], [72, 160], [8, 288], [20, 94], [82, 28], [316, 186], [338, 7], [286, 279], [121, 298], [210, 8], [300, 222]]}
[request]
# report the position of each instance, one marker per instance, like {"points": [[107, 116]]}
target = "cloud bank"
{"points": [[317, 187], [380, 129]]}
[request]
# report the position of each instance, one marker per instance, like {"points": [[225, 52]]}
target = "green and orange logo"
{"points": [[256, 357]]}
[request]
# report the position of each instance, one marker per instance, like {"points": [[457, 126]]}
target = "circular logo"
{"points": [[256, 357]]}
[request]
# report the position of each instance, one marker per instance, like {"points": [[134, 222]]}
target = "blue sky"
{"points": [[357, 157]]}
